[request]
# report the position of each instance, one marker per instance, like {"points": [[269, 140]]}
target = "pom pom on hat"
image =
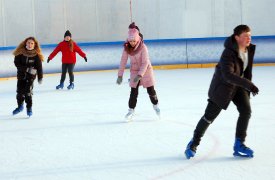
{"points": [[133, 26]]}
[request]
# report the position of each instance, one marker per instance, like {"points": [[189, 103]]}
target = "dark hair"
{"points": [[241, 29], [133, 26], [129, 49]]}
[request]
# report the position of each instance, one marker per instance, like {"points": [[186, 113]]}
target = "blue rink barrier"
{"points": [[106, 55]]}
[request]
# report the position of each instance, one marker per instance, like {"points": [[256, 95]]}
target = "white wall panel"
{"points": [[2, 24], [18, 20], [198, 19], [232, 15], [49, 20], [82, 19], [146, 14], [172, 19], [113, 18], [260, 15], [107, 20]]}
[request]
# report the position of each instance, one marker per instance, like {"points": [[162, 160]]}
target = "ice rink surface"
{"points": [[82, 135]]}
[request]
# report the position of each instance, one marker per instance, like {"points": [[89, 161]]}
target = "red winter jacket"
{"points": [[68, 57]]}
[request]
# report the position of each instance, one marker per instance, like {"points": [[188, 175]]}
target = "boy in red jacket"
{"points": [[68, 49]]}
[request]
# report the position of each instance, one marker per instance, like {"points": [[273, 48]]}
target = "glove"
{"points": [[137, 79], [48, 60], [85, 59], [40, 81], [119, 80], [254, 90]]}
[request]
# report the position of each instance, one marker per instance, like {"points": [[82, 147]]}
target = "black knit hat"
{"points": [[67, 33]]}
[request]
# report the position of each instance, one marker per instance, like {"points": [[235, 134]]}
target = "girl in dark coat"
{"points": [[28, 61]]}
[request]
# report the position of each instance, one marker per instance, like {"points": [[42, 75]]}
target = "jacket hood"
{"points": [[230, 43]]}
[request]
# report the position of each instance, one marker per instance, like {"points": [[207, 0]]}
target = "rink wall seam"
{"points": [[164, 54]]}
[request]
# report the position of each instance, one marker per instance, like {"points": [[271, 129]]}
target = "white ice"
{"points": [[82, 135]]}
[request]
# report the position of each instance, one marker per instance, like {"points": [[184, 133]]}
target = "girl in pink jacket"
{"points": [[141, 71]]}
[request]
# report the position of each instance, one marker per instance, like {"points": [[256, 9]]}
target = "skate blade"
{"points": [[14, 114], [128, 119], [158, 114], [159, 117], [237, 154]]}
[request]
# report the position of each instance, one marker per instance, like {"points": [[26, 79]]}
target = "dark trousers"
{"points": [[242, 102], [134, 94], [67, 68], [24, 92]]}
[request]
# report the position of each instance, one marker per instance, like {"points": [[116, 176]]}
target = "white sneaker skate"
{"points": [[129, 115], [156, 108]]}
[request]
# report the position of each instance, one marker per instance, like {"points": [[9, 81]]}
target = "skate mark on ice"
{"points": [[13, 117], [194, 161], [104, 123], [87, 168]]}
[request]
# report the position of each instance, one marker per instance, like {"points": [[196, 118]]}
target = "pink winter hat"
{"points": [[133, 34]]}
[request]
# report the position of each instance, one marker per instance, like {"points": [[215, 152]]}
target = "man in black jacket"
{"points": [[231, 82]]}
